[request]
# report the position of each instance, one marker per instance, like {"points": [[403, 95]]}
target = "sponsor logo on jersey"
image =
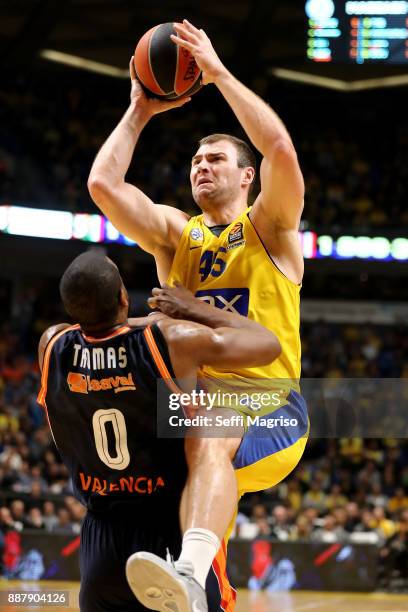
{"points": [[141, 485], [196, 234], [234, 245], [80, 383], [236, 233], [231, 300]]}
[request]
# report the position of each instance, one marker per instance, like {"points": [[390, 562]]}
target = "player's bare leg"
{"points": [[210, 497]]}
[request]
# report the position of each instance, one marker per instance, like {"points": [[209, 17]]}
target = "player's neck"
{"points": [[224, 215], [99, 331]]}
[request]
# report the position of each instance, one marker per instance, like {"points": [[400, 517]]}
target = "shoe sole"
{"points": [[152, 584]]}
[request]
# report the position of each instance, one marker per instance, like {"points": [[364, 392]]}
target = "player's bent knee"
{"points": [[215, 449]]}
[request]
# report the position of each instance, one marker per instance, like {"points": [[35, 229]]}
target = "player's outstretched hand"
{"points": [[176, 302], [197, 42], [152, 106]]}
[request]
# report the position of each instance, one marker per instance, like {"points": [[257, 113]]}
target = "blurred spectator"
{"points": [[329, 532], [335, 498], [399, 501], [315, 497], [367, 523], [35, 519], [376, 497], [302, 529], [294, 495], [50, 518], [280, 523], [18, 513], [386, 526], [353, 516], [7, 523], [64, 524]]}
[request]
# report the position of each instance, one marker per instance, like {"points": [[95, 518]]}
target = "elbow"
{"points": [[96, 185], [280, 147], [98, 189]]}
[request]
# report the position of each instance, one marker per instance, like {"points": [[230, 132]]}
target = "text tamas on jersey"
{"points": [[97, 358]]}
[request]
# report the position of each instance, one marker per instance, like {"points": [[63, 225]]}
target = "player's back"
{"points": [[100, 397]]}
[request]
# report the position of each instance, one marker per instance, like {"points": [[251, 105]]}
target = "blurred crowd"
{"points": [[47, 146], [344, 491]]}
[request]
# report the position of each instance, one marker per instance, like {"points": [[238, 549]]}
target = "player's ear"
{"points": [[248, 175], [123, 296]]}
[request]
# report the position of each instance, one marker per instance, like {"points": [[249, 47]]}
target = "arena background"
{"points": [[340, 521]]}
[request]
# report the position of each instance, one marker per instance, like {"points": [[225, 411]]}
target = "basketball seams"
{"points": [[150, 61], [142, 63], [163, 58], [176, 73]]}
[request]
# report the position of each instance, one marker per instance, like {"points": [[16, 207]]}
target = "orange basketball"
{"points": [[164, 69]]}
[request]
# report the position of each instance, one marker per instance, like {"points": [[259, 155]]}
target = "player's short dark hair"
{"points": [[245, 155], [90, 289]]}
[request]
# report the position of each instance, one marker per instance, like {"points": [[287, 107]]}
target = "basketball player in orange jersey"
{"points": [[236, 258], [98, 388]]}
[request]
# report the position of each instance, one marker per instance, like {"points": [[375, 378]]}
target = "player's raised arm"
{"points": [[217, 338], [132, 212], [281, 199]]}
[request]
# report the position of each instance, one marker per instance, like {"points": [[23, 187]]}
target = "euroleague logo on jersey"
{"points": [[236, 236]]}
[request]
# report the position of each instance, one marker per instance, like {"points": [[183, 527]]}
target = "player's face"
{"points": [[215, 176]]}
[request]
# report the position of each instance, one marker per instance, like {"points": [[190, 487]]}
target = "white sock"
{"points": [[199, 547]]}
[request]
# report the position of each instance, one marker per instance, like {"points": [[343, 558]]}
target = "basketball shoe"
{"points": [[163, 585]]}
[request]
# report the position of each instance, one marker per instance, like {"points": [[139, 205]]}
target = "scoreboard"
{"points": [[357, 31]]}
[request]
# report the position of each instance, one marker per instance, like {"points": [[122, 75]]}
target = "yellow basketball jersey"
{"points": [[234, 272]]}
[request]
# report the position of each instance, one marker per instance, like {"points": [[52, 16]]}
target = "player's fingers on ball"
{"points": [[190, 26], [186, 34], [181, 42], [181, 27], [182, 32], [132, 70]]}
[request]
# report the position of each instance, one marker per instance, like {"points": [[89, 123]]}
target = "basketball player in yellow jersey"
{"points": [[234, 257]]}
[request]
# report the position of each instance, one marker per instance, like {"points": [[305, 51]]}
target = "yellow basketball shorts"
{"points": [[272, 446]]}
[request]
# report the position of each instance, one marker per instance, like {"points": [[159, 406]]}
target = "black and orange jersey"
{"points": [[100, 398]]}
